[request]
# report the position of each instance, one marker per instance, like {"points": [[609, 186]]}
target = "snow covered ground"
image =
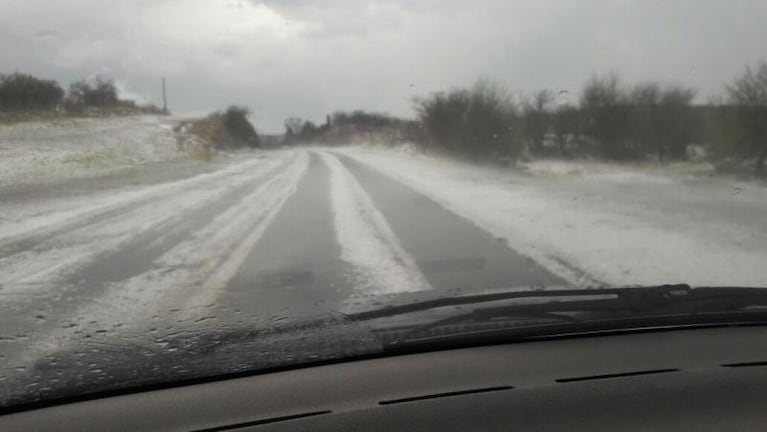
{"points": [[603, 223], [44, 152], [269, 236], [626, 172]]}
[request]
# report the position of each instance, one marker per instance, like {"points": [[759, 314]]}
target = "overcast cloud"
{"points": [[306, 58]]}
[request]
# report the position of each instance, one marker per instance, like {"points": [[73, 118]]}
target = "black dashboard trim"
{"points": [[263, 421], [445, 394], [615, 375]]}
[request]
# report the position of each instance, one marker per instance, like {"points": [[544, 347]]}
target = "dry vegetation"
{"points": [[227, 129]]}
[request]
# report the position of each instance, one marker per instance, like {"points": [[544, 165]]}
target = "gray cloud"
{"points": [[306, 58]]}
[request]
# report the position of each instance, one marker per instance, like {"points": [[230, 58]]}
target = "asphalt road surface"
{"points": [[256, 240]]}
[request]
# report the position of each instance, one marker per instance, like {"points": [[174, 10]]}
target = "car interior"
{"points": [[682, 379]]}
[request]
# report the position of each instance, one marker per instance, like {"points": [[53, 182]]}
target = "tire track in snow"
{"points": [[366, 239], [36, 269], [257, 215], [185, 283], [14, 239]]}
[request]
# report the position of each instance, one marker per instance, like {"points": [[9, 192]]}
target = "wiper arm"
{"points": [[633, 303], [631, 295]]}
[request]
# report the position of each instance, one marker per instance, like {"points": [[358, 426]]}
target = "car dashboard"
{"points": [[692, 379]]}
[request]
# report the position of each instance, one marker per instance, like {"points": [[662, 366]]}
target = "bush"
{"points": [[662, 120], [22, 92], [230, 128], [99, 93], [566, 126], [343, 128], [536, 119], [605, 112], [237, 125], [364, 121], [747, 125], [477, 123]]}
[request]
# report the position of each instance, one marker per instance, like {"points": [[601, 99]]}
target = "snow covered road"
{"points": [[266, 237], [616, 225]]}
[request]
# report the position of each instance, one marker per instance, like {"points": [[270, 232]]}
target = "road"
{"points": [[255, 241]]}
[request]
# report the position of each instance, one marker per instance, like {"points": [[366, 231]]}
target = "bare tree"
{"points": [[645, 102], [605, 115], [293, 126], [565, 125], [662, 120], [749, 95], [100, 92], [677, 122], [536, 118]]}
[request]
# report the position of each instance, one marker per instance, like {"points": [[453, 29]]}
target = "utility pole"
{"points": [[164, 98]]}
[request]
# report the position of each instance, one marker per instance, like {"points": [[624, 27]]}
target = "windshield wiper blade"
{"points": [[622, 306], [634, 293], [606, 300]]}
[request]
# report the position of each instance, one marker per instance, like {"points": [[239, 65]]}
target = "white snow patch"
{"points": [[40, 152], [620, 229], [617, 172], [20, 221], [366, 239]]}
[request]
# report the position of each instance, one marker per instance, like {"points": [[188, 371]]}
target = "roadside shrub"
{"points": [[662, 120], [237, 125], [537, 119], [99, 93], [477, 123], [23, 92], [747, 123], [230, 128], [605, 112]]}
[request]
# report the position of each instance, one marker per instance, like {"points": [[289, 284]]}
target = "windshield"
{"points": [[201, 188]]}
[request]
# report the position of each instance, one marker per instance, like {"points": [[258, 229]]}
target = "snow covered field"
{"points": [[618, 226], [43, 152]]}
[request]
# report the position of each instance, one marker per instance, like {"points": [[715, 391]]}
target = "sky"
{"points": [[301, 58]]}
